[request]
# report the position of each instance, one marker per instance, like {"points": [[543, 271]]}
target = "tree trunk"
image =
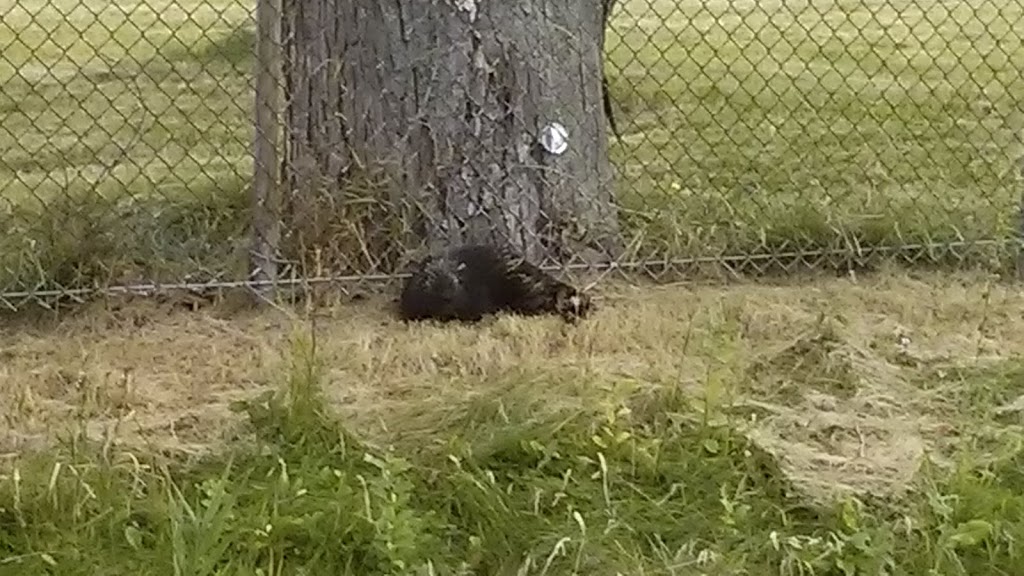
{"points": [[431, 113]]}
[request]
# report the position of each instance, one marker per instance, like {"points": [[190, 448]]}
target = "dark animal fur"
{"points": [[469, 282]]}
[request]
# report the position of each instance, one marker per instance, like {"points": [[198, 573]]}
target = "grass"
{"points": [[488, 451], [500, 497], [850, 428], [752, 129], [127, 148], [766, 127]]}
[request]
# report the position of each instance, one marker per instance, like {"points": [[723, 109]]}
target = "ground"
{"points": [[860, 425], [848, 381]]}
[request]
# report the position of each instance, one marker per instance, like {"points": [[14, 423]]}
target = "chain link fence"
{"points": [[187, 143]]}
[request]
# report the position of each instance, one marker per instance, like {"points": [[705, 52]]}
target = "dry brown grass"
{"points": [[826, 375]]}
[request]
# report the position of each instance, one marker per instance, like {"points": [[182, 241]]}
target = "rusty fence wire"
{"points": [[196, 144]]}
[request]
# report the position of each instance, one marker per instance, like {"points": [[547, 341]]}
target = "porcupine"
{"points": [[471, 281]]}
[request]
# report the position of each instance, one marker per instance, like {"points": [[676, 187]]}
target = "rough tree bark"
{"points": [[448, 99]]}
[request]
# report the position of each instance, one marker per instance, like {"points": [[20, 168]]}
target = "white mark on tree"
{"points": [[554, 138]]}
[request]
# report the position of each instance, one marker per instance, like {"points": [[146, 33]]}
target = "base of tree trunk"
{"points": [[442, 106]]}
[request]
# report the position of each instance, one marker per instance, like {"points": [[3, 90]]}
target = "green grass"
{"points": [[788, 125], [503, 483], [169, 83], [751, 128]]}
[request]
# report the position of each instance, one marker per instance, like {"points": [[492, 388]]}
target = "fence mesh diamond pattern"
{"points": [[759, 136]]}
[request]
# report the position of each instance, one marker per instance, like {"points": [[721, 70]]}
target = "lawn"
{"points": [[763, 127], [849, 427], [751, 130], [128, 139]]}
